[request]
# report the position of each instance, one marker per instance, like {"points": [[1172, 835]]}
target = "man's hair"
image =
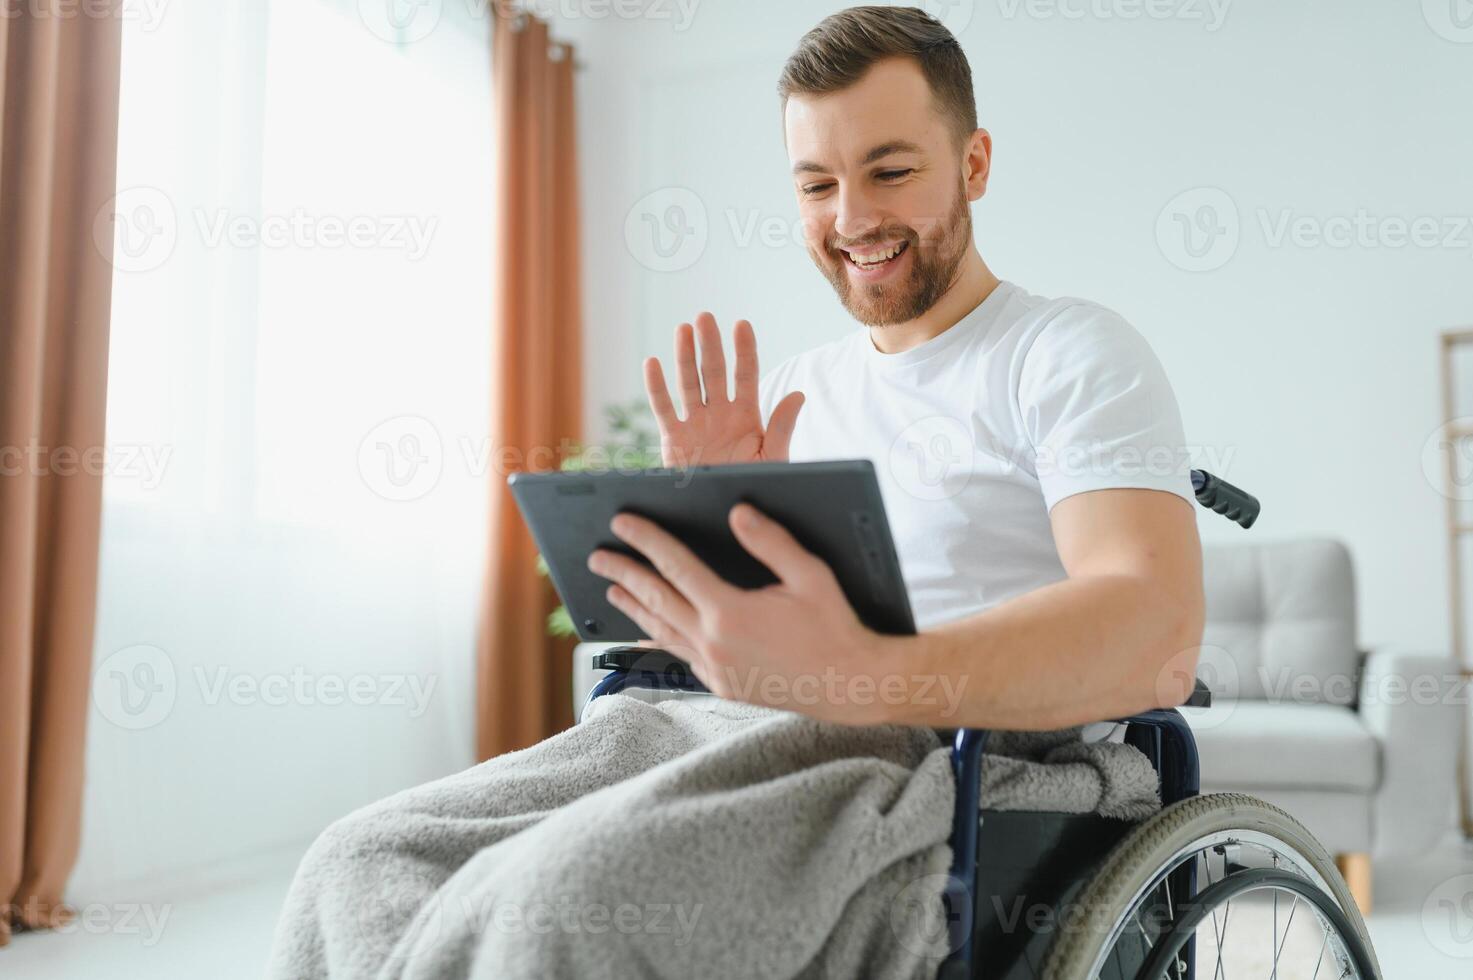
{"points": [[836, 53]]}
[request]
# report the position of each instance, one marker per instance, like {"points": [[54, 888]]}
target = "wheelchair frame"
{"points": [[1161, 734]]}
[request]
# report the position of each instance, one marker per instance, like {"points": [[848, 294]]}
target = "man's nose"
{"points": [[856, 214]]}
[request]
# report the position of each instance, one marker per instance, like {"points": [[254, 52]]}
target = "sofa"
{"points": [[1359, 745]]}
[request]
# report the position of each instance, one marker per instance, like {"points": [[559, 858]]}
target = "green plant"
{"points": [[633, 444]]}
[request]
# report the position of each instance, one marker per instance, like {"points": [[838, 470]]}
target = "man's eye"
{"points": [[811, 189], [894, 174]]}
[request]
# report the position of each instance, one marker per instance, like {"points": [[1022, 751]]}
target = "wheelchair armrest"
{"points": [[646, 667], [638, 658], [1201, 696]]}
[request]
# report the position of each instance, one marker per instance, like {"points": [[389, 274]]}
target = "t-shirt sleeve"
{"points": [[1099, 410]]}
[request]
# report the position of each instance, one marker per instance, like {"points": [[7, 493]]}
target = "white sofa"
{"points": [[1360, 746]]}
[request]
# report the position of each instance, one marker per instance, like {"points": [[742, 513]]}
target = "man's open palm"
{"points": [[717, 428]]}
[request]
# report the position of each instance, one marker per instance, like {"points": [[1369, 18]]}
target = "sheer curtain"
{"points": [[293, 516]]}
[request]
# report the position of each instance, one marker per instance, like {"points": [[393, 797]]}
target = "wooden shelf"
{"points": [[1456, 529]]}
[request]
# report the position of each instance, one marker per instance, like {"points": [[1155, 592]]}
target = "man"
{"points": [[1030, 451], [1030, 457]]}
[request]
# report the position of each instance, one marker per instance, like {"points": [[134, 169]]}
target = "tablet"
{"points": [[833, 508]]}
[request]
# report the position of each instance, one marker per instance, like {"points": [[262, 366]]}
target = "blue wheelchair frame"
{"points": [[1162, 735]]}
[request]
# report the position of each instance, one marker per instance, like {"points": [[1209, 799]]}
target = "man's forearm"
{"points": [[1081, 650]]}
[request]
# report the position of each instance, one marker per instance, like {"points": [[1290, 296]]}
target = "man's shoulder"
{"points": [[1033, 315], [1069, 329]]}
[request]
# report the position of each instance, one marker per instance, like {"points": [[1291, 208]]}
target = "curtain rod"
{"points": [[556, 51]]}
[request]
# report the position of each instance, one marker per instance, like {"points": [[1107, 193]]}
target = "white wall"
{"points": [[1309, 369]]}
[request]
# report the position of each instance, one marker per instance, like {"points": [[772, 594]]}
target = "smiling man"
{"points": [[1030, 451], [1030, 456]]}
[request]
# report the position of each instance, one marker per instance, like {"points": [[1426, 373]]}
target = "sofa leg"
{"points": [[1355, 868]]}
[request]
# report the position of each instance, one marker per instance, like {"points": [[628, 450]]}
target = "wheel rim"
{"points": [[1342, 957]]}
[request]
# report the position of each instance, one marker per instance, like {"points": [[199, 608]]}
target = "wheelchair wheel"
{"points": [[1214, 887]]}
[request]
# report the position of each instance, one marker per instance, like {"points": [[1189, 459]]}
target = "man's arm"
{"points": [[1120, 635]]}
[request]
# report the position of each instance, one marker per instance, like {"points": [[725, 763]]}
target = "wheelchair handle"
{"points": [[1215, 493]]}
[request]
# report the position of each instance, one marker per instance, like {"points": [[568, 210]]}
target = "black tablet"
{"points": [[834, 509]]}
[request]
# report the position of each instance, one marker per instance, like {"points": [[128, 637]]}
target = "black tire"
{"points": [[1112, 893]]}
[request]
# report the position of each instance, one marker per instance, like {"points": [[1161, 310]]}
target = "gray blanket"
{"points": [[672, 840]]}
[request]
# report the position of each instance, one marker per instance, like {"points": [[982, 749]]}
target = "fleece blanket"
{"points": [[672, 840]]}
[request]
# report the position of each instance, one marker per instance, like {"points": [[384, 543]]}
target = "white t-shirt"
{"points": [[978, 432]]}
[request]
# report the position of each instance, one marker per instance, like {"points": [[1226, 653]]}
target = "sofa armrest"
{"points": [[1412, 702]]}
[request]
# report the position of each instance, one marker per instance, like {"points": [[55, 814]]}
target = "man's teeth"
{"points": [[875, 258]]}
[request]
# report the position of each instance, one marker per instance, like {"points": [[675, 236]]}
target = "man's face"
{"points": [[879, 177]]}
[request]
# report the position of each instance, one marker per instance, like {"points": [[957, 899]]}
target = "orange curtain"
{"points": [[525, 677], [58, 156]]}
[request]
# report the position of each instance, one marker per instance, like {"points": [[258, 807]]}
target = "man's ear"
{"points": [[977, 164]]}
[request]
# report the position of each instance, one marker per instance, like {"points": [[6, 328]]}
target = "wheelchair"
{"points": [[1050, 896]]}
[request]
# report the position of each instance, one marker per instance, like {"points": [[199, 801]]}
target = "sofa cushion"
{"points": [[1280, 621], [1248, 744]]}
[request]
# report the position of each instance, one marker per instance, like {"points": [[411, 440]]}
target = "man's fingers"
{"points": [[771, 544], [659, 396], [662, 633], [685, 369], [713, 358], [746, 376], [780, 427], [659, 596], [676, 563]]}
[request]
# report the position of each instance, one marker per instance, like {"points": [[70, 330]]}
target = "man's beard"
{"points": [[933, 269]]}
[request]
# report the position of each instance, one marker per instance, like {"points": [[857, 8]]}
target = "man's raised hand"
{"points": [[717, 428]]}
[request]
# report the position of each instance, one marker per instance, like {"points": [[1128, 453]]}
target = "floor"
{"points": [[1422, 926], [217, 927]]}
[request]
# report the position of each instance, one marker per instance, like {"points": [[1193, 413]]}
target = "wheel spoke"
{"points": [[1275, 940], [1321, 958], [1227, 910], [1280, 947]]}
